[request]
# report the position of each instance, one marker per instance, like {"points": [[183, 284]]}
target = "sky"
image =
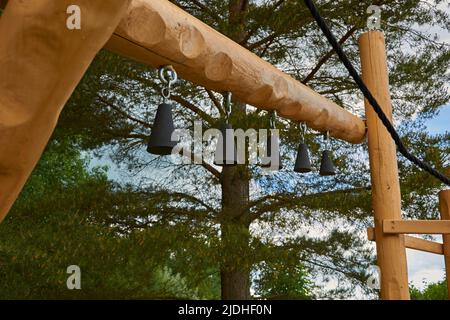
{"points": [[441, 123], [427, 267]]}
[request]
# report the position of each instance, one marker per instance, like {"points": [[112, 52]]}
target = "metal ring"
{"points": [[168, 75]]}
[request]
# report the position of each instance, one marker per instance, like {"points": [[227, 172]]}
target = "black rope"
{"points": [[376, 107]]}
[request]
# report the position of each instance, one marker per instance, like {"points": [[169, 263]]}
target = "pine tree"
{"points": [[248, 218]]}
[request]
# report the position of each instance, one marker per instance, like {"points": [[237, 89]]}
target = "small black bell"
{"points": [[267, 163], [226, 154], [326, 166], [303, 162], [161, 137]]}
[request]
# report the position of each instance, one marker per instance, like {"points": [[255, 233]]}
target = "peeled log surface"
{"points": [[156, 32], [41, 62]]}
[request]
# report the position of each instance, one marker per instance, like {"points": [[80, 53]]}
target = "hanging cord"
{"points": [[373, 102]]}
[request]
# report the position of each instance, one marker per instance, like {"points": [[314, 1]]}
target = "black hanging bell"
{"points": [[226, 154], [303, 162], [161, 137], [326, 166]]}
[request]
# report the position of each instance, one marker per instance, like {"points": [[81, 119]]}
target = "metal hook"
{"points": [[227, 105], [303, 128], [169, 76], [327, 140], [272, 120]]}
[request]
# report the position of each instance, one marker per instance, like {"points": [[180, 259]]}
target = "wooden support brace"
{"points": [[156, 32], [414, 243], [416, 227], [444, 208]]}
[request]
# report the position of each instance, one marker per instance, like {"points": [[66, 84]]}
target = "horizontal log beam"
{"points": [[416, 226], [414, 243], [156, 32]]}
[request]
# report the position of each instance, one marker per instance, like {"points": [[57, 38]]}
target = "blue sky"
{"points": [[441, 123]]}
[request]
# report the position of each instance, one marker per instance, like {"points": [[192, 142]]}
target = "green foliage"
{"points": [[172, 215], [281, 282], [434, 291], [54, 224]]}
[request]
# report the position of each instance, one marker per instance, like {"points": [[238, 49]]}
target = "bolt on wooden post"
{"points": [[386, 201]]}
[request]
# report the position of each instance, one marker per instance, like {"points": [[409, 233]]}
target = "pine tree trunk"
{"points": [[235, 271], [235, 234]]}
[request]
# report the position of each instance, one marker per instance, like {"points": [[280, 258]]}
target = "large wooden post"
{"points": [[444, 207], [41, 62], [391, 253]]}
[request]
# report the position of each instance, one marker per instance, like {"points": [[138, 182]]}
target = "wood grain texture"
{"points": [[414, 243], [41, 62], [444, 208], [416, 226], [386, 201], [156, 32]]}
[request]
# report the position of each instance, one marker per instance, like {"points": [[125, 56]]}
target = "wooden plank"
{"points": [[423, 245], [157, 32], [41, 63], [416, 226], [386, 201], [444, 208], [414, 243]]}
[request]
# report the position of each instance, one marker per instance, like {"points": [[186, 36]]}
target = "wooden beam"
{"points": [[444, 208], [416, 226], [414, 243], [41, 63], [156, 32], [386, 201]]}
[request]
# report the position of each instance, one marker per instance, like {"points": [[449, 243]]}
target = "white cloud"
{"points": [[424, 268]]}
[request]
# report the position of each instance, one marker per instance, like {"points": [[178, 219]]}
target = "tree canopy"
{"points": [[218, 226]]}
